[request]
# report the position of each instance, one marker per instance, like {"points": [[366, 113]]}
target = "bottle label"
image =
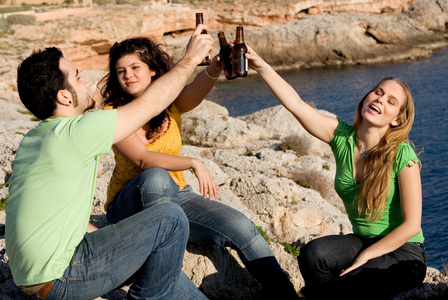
{"points": [[242, 64]]}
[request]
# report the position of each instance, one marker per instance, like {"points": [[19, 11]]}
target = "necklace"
{"points": [[362, 153]]}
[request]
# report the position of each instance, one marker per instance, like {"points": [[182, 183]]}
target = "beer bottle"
{"points": [[224, 53], [239, 61], [200, 20]]}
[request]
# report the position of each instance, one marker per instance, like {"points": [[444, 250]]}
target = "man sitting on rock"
{"points": [[53, 183]]}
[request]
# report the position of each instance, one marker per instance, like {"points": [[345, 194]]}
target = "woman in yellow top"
{"points": [[140, 177]]}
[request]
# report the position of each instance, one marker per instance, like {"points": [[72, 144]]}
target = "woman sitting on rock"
{"points": [[142, 160], [378, 179]]}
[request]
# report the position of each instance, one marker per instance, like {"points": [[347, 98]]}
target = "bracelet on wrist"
{"points": [[210, 76]]}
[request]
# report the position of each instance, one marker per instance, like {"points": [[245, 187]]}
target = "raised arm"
{"points": [[193, 93], [135, 151], [411, 206], [164, 90], [317, 124]]}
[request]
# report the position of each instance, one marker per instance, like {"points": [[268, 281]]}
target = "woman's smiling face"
{"points": [[133, 74], [382, 106]]}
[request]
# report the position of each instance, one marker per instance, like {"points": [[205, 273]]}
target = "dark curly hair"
{"points": [[39, 78], [149, 52]]}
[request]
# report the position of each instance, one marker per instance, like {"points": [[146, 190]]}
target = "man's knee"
{"points": [[168, 211]]}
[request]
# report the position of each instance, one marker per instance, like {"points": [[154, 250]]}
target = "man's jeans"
{"points": [[323, 259], [148, 247]]}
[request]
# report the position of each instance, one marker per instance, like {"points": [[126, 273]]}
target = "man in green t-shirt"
{"points": [[53, 182]]}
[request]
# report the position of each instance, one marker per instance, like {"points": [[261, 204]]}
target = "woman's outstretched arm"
{"points": [[194, 92], [317, 124]]}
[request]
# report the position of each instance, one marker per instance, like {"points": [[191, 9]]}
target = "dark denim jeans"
{"points": [[148, 246], [322, 260]]}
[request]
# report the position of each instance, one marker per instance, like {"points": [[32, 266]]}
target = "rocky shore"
{"points": [[264, 164]]}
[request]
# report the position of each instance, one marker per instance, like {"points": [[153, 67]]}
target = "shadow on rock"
{"points": [[230, 278]]}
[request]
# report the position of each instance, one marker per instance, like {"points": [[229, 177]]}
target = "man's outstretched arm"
{"points": [[162, 92]]}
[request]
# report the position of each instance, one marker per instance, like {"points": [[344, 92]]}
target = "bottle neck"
{"points": [[239, 39], [199, 18], [222, 40]]}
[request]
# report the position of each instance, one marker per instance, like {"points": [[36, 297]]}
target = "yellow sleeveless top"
{"points": [[169, 143]]}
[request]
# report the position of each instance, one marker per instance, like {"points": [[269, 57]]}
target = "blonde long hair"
{"points": [[377, 167]]}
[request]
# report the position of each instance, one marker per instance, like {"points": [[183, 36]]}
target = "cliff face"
{"points": [[243, 154], [288, 34]]}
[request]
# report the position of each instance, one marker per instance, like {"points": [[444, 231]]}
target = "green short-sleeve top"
{"points": [[51, 191], [343, 147]]}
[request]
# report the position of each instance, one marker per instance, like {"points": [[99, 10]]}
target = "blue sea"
{"points": [[339, 89]]}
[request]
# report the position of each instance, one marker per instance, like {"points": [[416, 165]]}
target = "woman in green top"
{"points": [[378, 178]]}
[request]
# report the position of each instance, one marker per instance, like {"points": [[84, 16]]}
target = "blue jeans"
{"points": [[137, 248], [139, 194], [322, 260], [214, 222], [210, 222]]}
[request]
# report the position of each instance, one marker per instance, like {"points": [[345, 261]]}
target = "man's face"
{"points": [[81, 100]]}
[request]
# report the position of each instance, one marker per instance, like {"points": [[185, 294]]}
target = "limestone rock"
{"points": [[344, 38], [219, 131], [280, 123], [429, 14]]}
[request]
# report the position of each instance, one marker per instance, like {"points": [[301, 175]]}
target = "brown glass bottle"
{"points": [[225, 53], [200, 20], [239, 61]]}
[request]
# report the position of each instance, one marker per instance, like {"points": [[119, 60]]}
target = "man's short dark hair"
{"points": [[39, 78]]}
